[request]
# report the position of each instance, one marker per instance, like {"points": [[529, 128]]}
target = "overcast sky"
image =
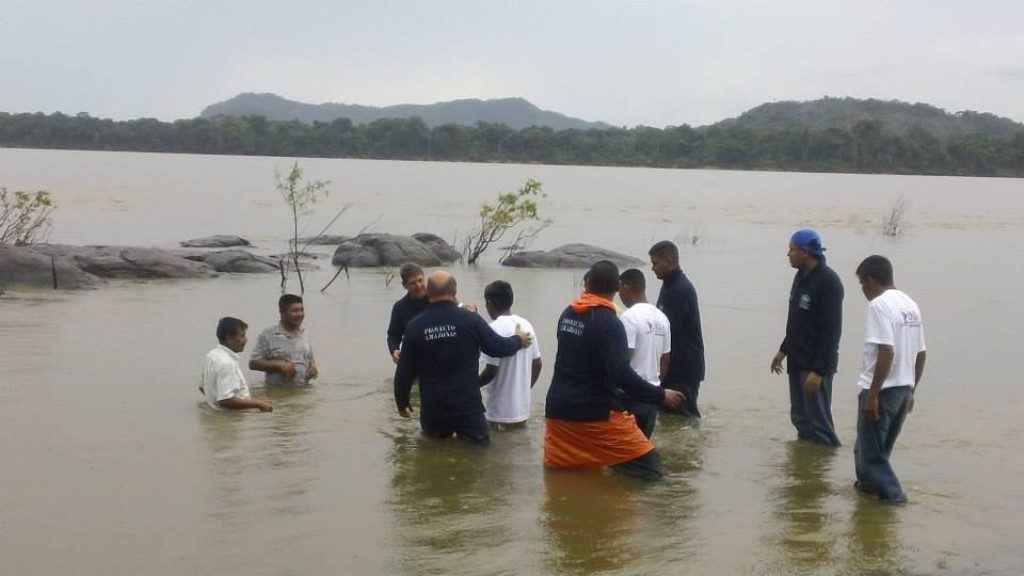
{"points": [[626, 63]]}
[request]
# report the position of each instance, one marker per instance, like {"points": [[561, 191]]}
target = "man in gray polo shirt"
{"points": [[282, 351]]}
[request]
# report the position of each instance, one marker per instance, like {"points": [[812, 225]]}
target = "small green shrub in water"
{"points": [[513, 211], [24, 217]]}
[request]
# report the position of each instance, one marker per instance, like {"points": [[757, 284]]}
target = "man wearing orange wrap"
{"points": [[586, 424]]}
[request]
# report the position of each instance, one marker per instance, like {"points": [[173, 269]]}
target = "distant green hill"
{"points": [[513, 112], [897, 118]]}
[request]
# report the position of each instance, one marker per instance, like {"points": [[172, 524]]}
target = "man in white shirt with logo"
{"points": [[649, 339], [222, 381], [507, 381], [894, 357]]}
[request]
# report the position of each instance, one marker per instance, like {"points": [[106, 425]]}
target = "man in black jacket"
{"points": [[813, 329], [442, 349], [586, 425], [678, 300], [408, 307]]}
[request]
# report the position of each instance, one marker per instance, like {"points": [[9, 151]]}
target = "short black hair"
{"points": [[228, 327], [877, 267], [287, 300], [409, 270], [602, 278], [499, 293], [665, 249], [634, 277]]}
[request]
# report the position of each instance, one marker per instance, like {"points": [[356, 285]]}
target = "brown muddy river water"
{"points": [[111, 465]]}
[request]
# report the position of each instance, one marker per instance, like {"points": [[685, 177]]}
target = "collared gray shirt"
{"points": [[275, 343]]}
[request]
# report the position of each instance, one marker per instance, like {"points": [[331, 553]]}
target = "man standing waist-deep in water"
{"points": [[813, 328], [678, 300], [586, 425]]}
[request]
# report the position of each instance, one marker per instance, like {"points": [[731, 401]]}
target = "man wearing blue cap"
{"points": [[813, 328]]}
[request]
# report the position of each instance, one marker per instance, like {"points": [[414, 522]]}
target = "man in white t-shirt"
{"points": [[649, 339], [222, 382], [894, 357], [507, 381]]}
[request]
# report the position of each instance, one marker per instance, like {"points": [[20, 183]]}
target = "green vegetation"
{"points": [[513, 211], [866, 146], [299, 197], [24, 217]]}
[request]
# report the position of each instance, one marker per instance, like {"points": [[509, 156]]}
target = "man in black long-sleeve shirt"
{"points": [[408, 307], [678, 300], [813, 329], [586, 425], [442, 349]]}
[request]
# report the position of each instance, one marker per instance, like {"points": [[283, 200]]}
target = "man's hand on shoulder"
{"points": [[525, 338], [468, 307]]}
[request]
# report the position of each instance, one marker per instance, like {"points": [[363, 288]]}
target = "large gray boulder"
{"points": [[126, 262], [370, 250], [239, 261], [444, 251], [570, 256], [23, 267], [218, 241]]}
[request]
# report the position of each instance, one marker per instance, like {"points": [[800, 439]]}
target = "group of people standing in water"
{"points": [[613, 372]]}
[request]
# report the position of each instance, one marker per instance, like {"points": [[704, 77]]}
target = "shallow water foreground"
{"points": [[112, 466]]}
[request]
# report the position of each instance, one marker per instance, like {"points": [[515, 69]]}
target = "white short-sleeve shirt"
{"points": [[893, 319], [648, 335], [222, 377], [507, 397]]}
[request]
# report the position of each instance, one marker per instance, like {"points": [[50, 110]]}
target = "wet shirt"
{"points": [[442, 348], [815, 322], [401, 313], [678, 300], [222, 377], [275, 343], [591, 366]]}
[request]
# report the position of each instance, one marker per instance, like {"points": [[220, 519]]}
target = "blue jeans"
{"points": [[875, 440], [811, 414]]}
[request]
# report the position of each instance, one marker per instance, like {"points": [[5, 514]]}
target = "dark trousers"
{"points": [[875, 440], [812, 413], [646, 415], [647, 467], [690, 390], [470, 428]]}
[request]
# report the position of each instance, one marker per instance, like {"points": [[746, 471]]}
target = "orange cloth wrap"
{"points": [[569, 444]]}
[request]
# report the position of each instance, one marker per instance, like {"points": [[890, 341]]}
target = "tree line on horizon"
{"points": [[864, 147]]}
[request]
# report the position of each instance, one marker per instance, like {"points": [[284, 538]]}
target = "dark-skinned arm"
{"points": [[535, 368], [883, 365], [487, 376], [236, 403]]}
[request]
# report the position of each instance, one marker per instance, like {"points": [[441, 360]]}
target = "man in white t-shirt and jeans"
{"points": [[894, 357], [507, 381], [649, 339]]}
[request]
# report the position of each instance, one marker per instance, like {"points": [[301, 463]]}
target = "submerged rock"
{"points": [[444, 251], [240, 261], [570, 256], [127, 262], [369, 250], [21, 266], [218, 241], [325, 240]]}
